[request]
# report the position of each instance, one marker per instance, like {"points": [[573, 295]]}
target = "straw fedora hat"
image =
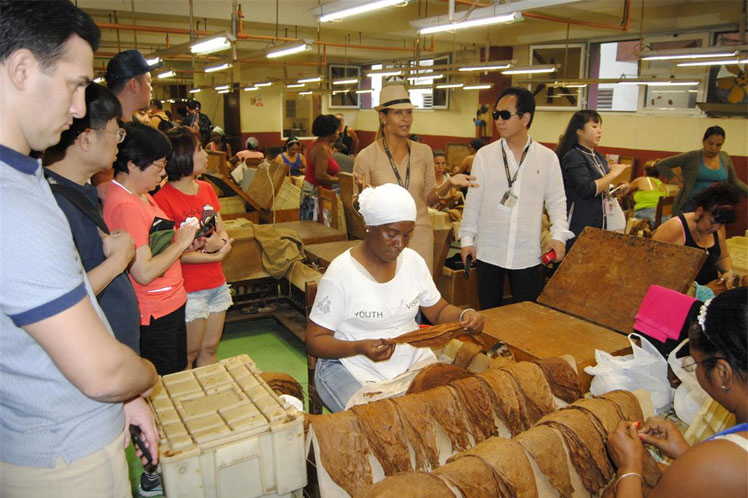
{"points": [[394, 96]]}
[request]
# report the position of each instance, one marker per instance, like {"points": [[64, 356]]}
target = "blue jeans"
{"points": [[335, 384]]}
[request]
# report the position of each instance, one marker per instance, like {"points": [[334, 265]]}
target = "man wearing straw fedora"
{"points": [[394, 158]]}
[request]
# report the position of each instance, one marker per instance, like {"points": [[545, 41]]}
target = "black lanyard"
{"points": [[394, 167], [593, 157], [511, 179]]}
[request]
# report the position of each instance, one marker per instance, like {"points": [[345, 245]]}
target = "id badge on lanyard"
{"points": [[509, 199]]}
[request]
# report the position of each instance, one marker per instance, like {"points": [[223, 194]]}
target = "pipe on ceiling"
{"points": [[246, 36]]}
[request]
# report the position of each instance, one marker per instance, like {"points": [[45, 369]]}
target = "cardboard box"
{"points": [[225, 434]]}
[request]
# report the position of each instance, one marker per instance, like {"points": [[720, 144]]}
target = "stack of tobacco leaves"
{"points": [[282, 383], [564, 381], [381, 424], [434, 375], [410, 484]]}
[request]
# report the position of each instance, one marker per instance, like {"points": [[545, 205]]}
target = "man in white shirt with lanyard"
{"points": [[501, 222]]}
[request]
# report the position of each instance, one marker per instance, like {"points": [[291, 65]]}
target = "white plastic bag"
{"points": [[615, 220], [646, 369], [689, 396]]}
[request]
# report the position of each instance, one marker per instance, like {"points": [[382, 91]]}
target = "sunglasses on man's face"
{"points": [[504, 115]]}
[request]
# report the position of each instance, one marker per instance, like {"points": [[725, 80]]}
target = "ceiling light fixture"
{"points": [[494, 67], [154, 61], [251, 89], [450, 85], [477, 87], [211, 44], [296, 85], [540, 69], [337, 92], [219, 67], [305, 93], [290, 49], [364, 91], [349, 11], [384, 73], [224, 91], [98, 80], [718, 62], [166, 74], [310, 80], [688, 53], [473, 23], [345, 82], [265, 83], [222, 87], [196, 90], [426, 76]]}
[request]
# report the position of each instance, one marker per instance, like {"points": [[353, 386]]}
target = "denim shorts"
{"points": [[202, 303]]}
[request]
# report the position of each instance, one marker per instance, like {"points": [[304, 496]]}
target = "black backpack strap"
{"points": [[80, 201]]}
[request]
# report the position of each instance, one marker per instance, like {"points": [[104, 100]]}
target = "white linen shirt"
{"points": [[510, 237], [355, 306]]}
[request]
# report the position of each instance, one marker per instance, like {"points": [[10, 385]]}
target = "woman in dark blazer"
{"points": [[587, 175]]}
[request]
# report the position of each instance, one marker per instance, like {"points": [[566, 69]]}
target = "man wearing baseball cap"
{"points": [[128, 76]]}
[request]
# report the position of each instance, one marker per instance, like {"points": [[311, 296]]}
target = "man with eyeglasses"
{"points": [[501, 226]]}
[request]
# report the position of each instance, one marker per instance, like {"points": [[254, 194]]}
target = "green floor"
{"points": [[270, 345]]}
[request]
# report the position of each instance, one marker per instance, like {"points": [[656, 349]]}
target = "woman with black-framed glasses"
{"points": [[717, 466]]}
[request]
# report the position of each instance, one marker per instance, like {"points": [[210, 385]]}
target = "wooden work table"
{"points": [[533, 332], [311, 232], [324, 253]]}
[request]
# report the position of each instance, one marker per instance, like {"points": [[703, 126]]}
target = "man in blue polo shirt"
{"points": [[64, 375]]}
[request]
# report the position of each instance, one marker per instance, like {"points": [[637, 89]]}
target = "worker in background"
{"points": [[340, 154], [466, 165], [717, 466], [198, 121], [128, 76], [371, 293], [64, 375], [347, 136], [157, 117], [517, 177]]}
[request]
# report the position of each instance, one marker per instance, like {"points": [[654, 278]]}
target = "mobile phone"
{"points": [[468, 265], [139, 440], [207, 227]]}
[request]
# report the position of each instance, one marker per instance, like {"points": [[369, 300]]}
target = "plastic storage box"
{"points": [[225, 434]]}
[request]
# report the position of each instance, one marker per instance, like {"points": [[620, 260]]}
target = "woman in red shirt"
{"points": [[322, 169], [184, 197]]}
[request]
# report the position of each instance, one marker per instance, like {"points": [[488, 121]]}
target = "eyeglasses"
{"points": [[691, 364], [120, 132], [504, 115]]}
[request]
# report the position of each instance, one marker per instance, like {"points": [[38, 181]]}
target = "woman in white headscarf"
{"points": [[371, 293]]}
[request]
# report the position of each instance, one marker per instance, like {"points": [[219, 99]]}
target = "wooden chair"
{"points": [[328, 207], [664, 208], [313, 399]]}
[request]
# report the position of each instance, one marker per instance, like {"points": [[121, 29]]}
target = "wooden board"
{"points": [[324, 253], [605, 276], [261, 189], [311, 232], [244, 262], [353, 220], [533, 331]]}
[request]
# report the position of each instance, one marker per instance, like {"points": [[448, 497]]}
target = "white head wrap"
{"points": [[388, 203]]}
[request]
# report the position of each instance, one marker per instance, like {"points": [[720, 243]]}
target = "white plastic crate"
{"points": [[225, 434]]}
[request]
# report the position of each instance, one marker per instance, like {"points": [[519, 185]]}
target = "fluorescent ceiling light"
{"points": [[345, 82], [384, 73], [167, 74], [364, 91], [222, 87], [362, 8], [211, 45], [473, 23], [338, 92], [425, 76], [310, 80], [265, 83], [485, 68], [670, 55], [219, 67], [305, 93], [672, 83], [546, 68], [295, 85], [251, 89], [477, 87], [451, 85], [153, 61], [196, 90], [718, 62], [99, 80], [283, 51], [224, 91]]}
